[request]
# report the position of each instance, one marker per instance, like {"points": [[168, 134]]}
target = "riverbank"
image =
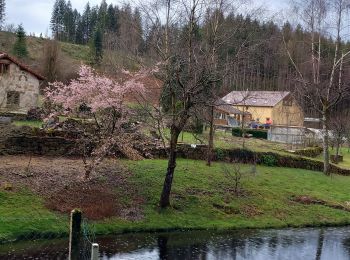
{"points": [[123, 197]]}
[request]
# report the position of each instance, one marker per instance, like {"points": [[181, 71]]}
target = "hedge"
{"points": [[263, 158], [256, 133], [309, 152]]}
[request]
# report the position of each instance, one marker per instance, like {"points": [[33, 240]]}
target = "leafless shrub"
{"points": [[235, 174]]}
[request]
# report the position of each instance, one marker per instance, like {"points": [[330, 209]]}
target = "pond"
{"points": [[303, 244]]}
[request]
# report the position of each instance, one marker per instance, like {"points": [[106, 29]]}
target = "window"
{"points": [[13, 98], [22, 77], [4, 68], [219, 115]]}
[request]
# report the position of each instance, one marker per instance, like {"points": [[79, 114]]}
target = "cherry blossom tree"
{"points": [[104, 100]]}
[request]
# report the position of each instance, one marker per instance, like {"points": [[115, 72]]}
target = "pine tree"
{"points": [[69, 23], [137, 31], [54, 20], [79, 23], [20, 46], [97, 46], [112, 19], [86, 24], [102, 15], [2, 12], [57, 23]]}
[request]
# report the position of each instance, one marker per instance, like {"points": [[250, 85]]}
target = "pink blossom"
{"points": [[95, 91]]}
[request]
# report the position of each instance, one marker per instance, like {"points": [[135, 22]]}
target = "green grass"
{"points": [[225, 140], [31, 123], [345, 152], [76, 51], [202, 198], [24, 216]]}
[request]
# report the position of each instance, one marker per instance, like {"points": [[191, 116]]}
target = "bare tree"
{"points": [[186, 70], [218, 33], [236, 174], [188, 78], [323, 85], [189, 64], [340, 127], [51, 63]]}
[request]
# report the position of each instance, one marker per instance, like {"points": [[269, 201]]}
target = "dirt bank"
{"points": [[59, 181]]}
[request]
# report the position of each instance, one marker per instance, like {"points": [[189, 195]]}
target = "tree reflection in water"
{"points": [[319, 244]]}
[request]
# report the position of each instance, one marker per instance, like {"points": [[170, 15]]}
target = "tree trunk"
{"points": [[243, 129], [165, 196], [211, 137], [325, 140], [337, 147]]}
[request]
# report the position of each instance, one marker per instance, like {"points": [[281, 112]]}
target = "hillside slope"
{"points": [[123, 196], [70, 56]]}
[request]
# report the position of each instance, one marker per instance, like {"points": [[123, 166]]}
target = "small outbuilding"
{"points": [[19, 86], [227, 115]]}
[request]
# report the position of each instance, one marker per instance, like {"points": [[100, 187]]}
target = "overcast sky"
{"points": [[35, 14]]}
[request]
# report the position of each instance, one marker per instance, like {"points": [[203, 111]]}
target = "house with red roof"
{"points": [[19, 86]]}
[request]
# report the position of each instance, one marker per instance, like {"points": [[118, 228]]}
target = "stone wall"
{"points": [[23, 140], [51, 146], [25, 83]]}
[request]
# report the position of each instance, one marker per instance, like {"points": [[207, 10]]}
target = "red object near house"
{"points": [[268, 121]]}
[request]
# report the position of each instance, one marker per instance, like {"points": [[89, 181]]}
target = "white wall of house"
{"points": [[15, 82]]}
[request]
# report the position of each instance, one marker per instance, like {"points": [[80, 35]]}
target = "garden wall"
{"points": [[27, 141], [264, 158]]}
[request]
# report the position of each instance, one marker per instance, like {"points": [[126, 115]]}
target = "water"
{"points": [[303, 244]]}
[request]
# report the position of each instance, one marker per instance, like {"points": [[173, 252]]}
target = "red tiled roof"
{"points": [[21, 65]]}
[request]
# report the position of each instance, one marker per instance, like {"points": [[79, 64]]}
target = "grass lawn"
{"points": [[345, 152], [31, 123], [225, 140], [202, 198], [24, 216]]}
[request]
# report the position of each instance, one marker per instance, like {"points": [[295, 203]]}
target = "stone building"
{"points": [[19, 86]]}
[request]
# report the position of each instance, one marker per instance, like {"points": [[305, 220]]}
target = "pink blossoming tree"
{"points": [[104, 100]]}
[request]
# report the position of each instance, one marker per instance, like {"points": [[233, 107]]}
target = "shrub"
{"points": [[262, 134], [220, 154], [35, 114], [242, 155], [309, 152], [268, 160]]}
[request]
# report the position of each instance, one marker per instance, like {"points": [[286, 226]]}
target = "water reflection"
{"points": [[303, 244]]}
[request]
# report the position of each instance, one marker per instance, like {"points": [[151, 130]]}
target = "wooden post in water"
{"points": [[74, 236], [94, 252]]}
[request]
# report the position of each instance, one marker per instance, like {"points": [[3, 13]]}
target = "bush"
{"points": [[242, 155], [220, 154], [262, 134], [309, 152], [35, 114], [268, 160]]}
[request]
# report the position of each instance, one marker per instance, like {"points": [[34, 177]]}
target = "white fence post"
{"points": [[94, 252]]}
